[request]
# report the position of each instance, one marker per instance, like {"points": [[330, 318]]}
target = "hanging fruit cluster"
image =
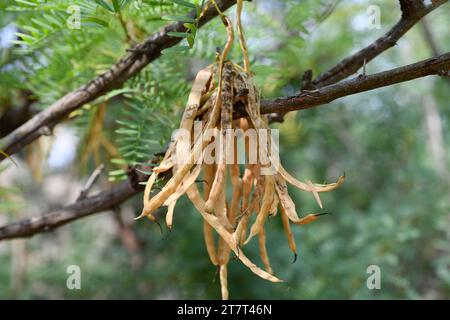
{"points": [[215, 91]]}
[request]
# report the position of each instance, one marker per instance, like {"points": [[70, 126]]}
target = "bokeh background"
{"points": [[393, 145]]}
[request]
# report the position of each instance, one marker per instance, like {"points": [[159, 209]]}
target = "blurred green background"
{"points": [[393, 144]]}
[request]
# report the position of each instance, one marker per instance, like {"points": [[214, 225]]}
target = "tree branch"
{"points": [[429, 38], [131, 64], [439, 65], [412, 12], [103, 201], [87, 206]]}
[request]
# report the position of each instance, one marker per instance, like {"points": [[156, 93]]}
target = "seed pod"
{"points": [[226, 117], [263, 250], [169, 215], [209, 171], [265, 208], [288, 231], [223, 275]]}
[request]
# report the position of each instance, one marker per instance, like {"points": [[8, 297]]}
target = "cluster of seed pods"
{"points": [[236, 199]]}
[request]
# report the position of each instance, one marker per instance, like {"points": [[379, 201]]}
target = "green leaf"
{"points": [[42, 23], [191, 27], [127, 123], [32, 30], [116, 5], [126, 139], [137, 108], [144, 171], [184, 3], [98, 21], [25, 37], [198, 10], [27, 3], [53, 20], [127, 148], [116, 172], [105, 5], [149, 141], [190, 41], [117, 92], [126, 131], [118, 161], [18, 42], [124, 3], [179, 18]]}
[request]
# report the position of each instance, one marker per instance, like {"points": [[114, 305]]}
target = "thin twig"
{"points": [[90, 182], [411, 14]]}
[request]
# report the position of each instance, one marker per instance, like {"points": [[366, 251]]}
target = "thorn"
{"points": [[45, 131], [160, 228], [203, 181], [364, 68], [4, 154], [322, 214], [167, 234], [147, 173], [236, 254], [243, 212]]}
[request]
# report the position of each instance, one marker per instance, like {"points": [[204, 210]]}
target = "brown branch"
{"points": [[439, 65], [411, 8], [429, 38], [90, 182], [412, 12], [103, 201], [131, 64]]}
